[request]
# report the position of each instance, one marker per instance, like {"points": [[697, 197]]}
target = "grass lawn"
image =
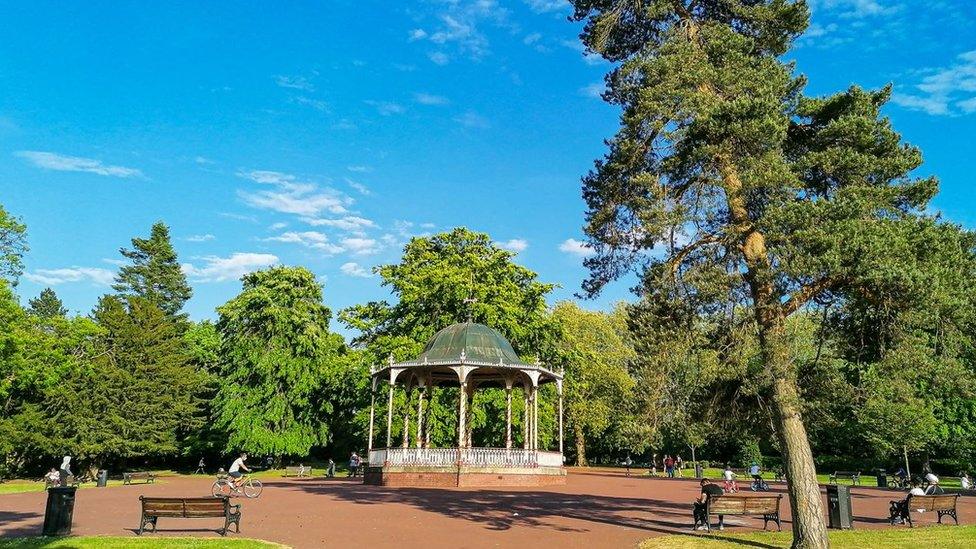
{"points": [[99, 542], [943, 537], [20, 486]]}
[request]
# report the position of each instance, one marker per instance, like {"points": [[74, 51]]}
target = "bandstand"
{"points": [[468, 356]]}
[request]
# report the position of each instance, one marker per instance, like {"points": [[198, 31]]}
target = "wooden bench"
{"points": [[297, 471], [943, 504], [854, 476], [72, 481], [153, 508], [744, 504], [147, 476]]}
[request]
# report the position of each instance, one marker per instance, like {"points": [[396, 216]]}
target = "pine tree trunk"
{"points": [[806, 502], [580, 448]]}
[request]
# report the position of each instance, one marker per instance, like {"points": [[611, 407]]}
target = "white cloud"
{"points": [[203, 160], [316, 104], [53, 277], [547, 6], [217, 269], [360, 169], [531, 38], [575, 247], [430, 99], [310, 239], [857, 9], [439, 58], [471, 119], [349, 223], [200, 237], [62, 163], [355, 269], [292, 196], [944, 90], [386, 108], [361, 246], [594, 90], [294, 82], [362, 189], [514, 245], [589, 58], [277, 226], [417, 34]]}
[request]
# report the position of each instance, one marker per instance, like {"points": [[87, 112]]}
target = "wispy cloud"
{"points": [[361, 246], [594, 90], [575, 247], [857, 9], [589, 58], [359, 187], [439, 57], [385, 108], [217, 269], [514, 245], [63, 163], [947, 90], [430, 99], [547, 6], [350, 223], [310, 239], [289, 195], [53, 277], [455, 27], [316, 104], [355, 269], [200, 237], [360, 169], [294, 82], [471, 119], [417, 34]]}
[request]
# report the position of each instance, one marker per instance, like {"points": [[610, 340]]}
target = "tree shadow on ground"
{"points": [[29, 529], [502, 510]]}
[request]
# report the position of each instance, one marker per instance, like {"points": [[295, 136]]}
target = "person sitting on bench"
{"points": [[700, 511], [902, 506]]}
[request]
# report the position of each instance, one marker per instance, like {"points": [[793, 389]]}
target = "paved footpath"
{"points": [[596, 508]]}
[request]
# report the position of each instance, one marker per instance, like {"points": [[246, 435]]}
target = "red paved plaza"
{"points": [[596, 508]]}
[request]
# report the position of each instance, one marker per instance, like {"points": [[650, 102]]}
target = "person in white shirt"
{"points": [[964, 482], [235, 470], [899, 509], [729, 477], [932, 482]]}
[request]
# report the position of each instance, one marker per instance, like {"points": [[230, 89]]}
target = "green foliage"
{"points": [[13, 246], [596, 353], [276, 352], [47, 305], [155, 272]]}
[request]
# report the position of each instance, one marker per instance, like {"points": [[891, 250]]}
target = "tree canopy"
{"points": [[155, 272]]}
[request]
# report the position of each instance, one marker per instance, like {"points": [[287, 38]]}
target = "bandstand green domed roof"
{"points": [[471, 342]]}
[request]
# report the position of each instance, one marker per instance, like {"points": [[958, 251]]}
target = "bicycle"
{"points": [[759, 484], [224, 487]]}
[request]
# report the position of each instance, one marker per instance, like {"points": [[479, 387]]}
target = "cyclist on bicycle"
{"points": [[235, 470]]}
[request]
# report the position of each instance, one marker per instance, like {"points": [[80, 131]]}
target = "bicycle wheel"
{"points": [[221, 488], [253, 488]]}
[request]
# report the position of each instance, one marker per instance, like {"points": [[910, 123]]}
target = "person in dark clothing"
{"points": [[700, 510]]}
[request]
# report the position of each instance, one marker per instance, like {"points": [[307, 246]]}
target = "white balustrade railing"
{"points": [[472, 457]]}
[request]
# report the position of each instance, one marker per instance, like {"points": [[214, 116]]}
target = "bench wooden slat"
{"points": [[742, 504], [155, 507], [942, 504]]}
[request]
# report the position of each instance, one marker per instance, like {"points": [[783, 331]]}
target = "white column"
{"points": [[389, 418], [468, 423], [420, 416], [560, 387], [525, 419], [508, 416], [535, 418], [462, 413], [430, 397], [406, 419], [372, 415]]}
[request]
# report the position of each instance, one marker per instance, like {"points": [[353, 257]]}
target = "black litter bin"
{"points": [[60, 508], [882, 478], [839, 507], [102, 480], [698, 471]]}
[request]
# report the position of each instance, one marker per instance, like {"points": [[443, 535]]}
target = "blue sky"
{"points": [[328, 136]]}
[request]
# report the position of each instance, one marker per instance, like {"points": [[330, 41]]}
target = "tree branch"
{"points": [[800, 297]]}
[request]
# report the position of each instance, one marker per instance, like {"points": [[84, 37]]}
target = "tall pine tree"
{"points": [[755, 196], [155, 273], [47, 305]]}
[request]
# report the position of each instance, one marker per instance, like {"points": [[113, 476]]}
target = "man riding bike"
{"points": [[235, 470]]}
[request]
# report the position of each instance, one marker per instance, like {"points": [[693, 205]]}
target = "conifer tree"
{"points": [[155, 273], [47, 305]]}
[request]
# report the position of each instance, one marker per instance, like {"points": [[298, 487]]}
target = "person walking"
{"points": [[354, 462], [330, 469], [678, 465], [200, 470], [669, 466], [627, 463]]}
